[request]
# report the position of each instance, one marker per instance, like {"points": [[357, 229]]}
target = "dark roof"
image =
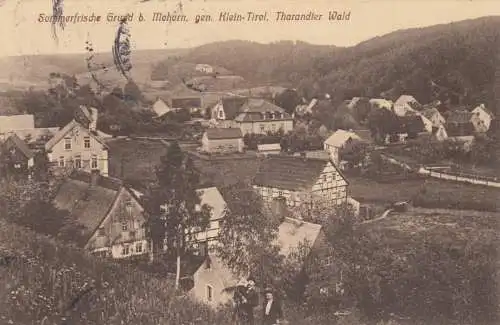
{"points": [[224, 133], [459, 117], [186, 102], [255, 109], [14, 140], [102, 181], [459, 129], [289, 172], [412, 123], [232, 106], [365, 135], [190, 263], [86, 204]]}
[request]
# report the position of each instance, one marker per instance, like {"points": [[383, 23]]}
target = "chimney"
{"points": [[94, 177], [279, 208], [93, 122]]}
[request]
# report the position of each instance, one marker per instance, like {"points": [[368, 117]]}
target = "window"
{"points": [[67, 143], [94, 162], [101, 232], [262, 128], [125, 250], [209, 293], [138, 248], [128, 206], [273, 127], [61, 161], [86, 142], [280, 193], [124, 225], [78, 162], [221, 114]]}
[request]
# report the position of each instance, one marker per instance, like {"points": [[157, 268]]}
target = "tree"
{"points": [[131, 92], [173, 206], [288, 100], [247, 236]]}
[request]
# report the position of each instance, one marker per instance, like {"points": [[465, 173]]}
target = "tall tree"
{"points": [[174, 206], [247, 236]]}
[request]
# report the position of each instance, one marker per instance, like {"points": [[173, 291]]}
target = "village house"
{"points": [[205, 68], [218, 208], [106, 217], [300, 181], [16, 156], [252, 115], [337, 141], [458, 123], [269, 149], [160, 107], [76, 146], [481, 118], [192, 103], [434, 116], [212, 280], [405, 104], [303, 109], [222, 140], [440, 134], [376, 103]]}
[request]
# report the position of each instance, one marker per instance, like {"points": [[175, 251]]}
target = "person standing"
{"points": [[272, 312], [251, 301]]}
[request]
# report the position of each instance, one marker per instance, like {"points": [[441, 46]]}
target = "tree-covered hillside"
{"points": [[455, 62]]}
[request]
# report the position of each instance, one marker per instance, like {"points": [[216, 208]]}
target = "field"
{"points": [[135, 160], [426, 192]]}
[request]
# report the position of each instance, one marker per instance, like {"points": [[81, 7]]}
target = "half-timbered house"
{"points": [[300, 181]]}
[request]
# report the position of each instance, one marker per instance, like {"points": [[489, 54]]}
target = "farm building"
{"points": [[222, 140]]}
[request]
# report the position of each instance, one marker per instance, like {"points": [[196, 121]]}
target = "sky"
{"points": [[22, 34]]}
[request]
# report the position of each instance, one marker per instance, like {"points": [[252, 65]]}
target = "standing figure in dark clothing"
{"points": [[272, 312], [246, 299]]}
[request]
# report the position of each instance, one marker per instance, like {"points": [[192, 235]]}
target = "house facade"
{"points": [[338, 140], [76, 147], [15, 155], [192, 104], [300, 181], [405, 104], [441, 133], [213, 198], [222, 140], [108, 216], [252, 115], [213, 280], [481, 118], [434, 116], [205, 68], [160, 107]]}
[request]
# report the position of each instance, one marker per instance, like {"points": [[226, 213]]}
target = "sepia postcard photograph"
{"points": [[249, 162]]}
